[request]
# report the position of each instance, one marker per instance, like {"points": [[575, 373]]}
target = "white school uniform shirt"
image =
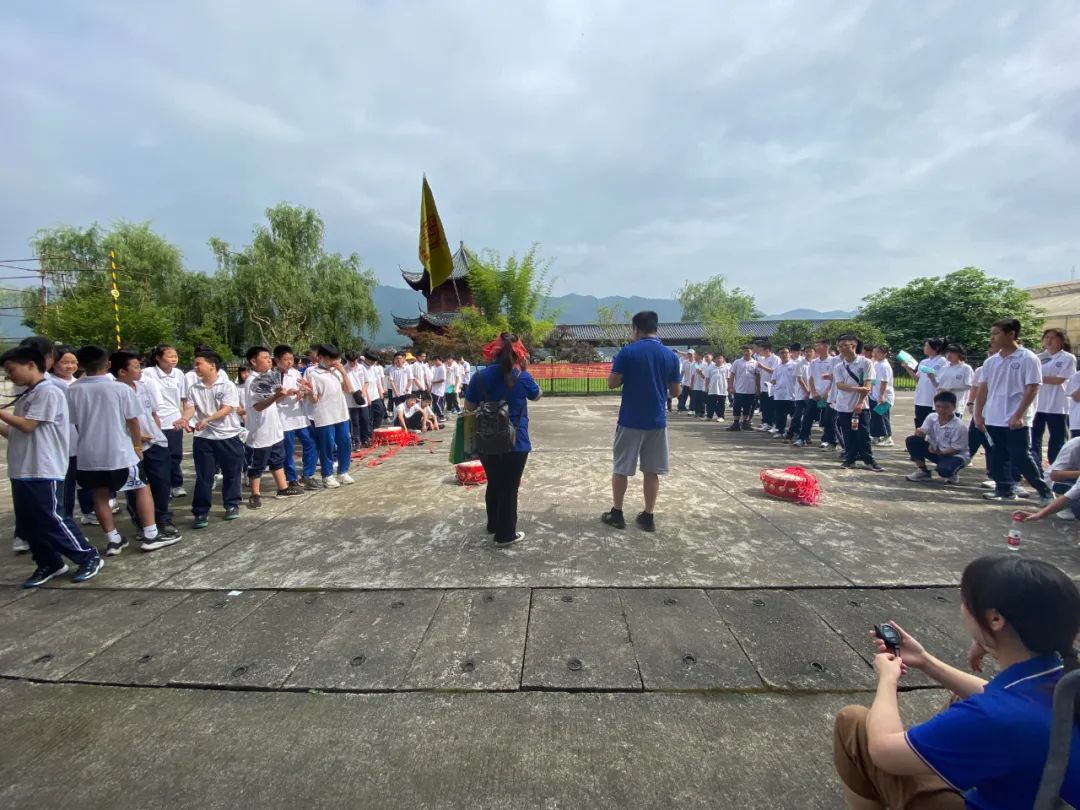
{"points": [[951, 436], [401, 378], [772, 361], [264, 427], [438, 381], [173, 390], [819, 368], [1051, 398], [452, 371], [687, 377], [100, 408], [208, 400], [62, 384], [783, 380], [745, 374], [357, 377], [924, 388], [373, 377], [149, 396], [405, 411], [802, 372], [958, 379], [466, 369], [43, 452], [331, 408], [716, 380], [291, 411], [1005, 379], [700, 382], [883, 373], [862, 369], [1071, 387], [1068, 458]]}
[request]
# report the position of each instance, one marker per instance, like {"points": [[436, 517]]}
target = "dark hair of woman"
{"points": [[508, 358], [1062, 335], [1037, 600]]}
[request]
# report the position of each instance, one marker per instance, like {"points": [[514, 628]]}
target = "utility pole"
{"points": [[44, 290]]}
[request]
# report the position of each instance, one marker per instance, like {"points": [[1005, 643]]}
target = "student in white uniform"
{"points": [[716, 389], [156, 462], [882, 399], [438, 388], [767, 363], [401, 379], [1072, 394], [925, 375], [294, 422], [821, 387], [1005, 408], [1064, 477], [375, 394], [212, 403], [687, 364], [265, 435], [956, 376], [331, 388], [452, 384], [358, 406], [37, 459], [1051, 406], [743, 380], [700, 388], [107, 417], [852, 373], [783, 393], [409, 415], [62, 373], [172, 385], [942, 440], [800, 390]]}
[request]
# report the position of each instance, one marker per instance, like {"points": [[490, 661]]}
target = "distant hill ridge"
{"points": [[572, 308]]}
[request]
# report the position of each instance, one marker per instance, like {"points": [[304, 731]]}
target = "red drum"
{"points": [[384, 436], [791, 484], [470, 472]]}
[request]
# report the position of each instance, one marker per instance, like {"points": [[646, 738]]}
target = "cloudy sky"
{"points": [[811, 151]]}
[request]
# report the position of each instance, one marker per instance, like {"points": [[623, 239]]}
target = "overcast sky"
{"points": [[811, 151]]}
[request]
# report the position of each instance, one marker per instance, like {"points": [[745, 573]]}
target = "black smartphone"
{"points": [[888, 634]]}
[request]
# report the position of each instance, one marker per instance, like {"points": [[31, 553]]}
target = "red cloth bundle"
{"points": [[791, 484]]}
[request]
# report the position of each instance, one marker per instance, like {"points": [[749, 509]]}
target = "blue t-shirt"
{"points": [[647, 367], [490, 382], [992, 747]]}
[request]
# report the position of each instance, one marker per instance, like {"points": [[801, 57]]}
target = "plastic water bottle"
{"points": [[1012, 539]]}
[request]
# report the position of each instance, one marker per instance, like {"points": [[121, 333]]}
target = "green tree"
{"points": [[615, 322], [959, 307], [514, 292], [723, 332], [866, 332], [78, 269], [705, 300], [795, 331], [288, 289]]}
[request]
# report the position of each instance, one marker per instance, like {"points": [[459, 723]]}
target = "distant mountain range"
{"points": [[570, 308]]}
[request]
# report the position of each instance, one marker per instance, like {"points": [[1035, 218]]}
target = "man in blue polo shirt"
{"points": [[648, 372]]}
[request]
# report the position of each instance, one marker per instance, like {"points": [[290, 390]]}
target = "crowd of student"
{"points": [[87, 425], [1014, 399]]}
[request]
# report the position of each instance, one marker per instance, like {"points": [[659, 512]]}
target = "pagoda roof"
{"points": [[462, 266], [679, 333], [435, 320]]}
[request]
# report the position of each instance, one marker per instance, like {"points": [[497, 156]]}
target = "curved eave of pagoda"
{"points": [[405, 323]]}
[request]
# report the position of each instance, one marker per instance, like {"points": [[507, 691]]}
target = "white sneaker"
{"points": [[953, 479], [88, 519], [988, 484], [345, 478], [1021, 492], [19, 546], [918, 475], [113, 505], [177, 492], [1065, 514], [330, 482], [886, 442], [720, 419]]}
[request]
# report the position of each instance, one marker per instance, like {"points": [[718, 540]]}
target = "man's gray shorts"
{"points": [[649, 448]]}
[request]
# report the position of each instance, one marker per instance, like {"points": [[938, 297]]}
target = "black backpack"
{"points": [[495, 433]]}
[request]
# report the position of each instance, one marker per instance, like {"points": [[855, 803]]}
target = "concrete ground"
{"points": [[369, 647]]}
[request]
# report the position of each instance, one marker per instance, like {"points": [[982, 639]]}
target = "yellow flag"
{"points": [[434, 250]]}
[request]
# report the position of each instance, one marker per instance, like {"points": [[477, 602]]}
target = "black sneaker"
{"points": [[114, 547], [310, 484], [254, 502], [162, 540], [88, 570], [735, 427], [517, 538], [294, 489], [614, 518], [168, 530], [848, 465], [232, 512], [873, 465], [43, 574], [646, 522]]}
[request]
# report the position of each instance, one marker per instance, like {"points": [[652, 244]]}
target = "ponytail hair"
{"points": [[1040, 603], [510, 354]]}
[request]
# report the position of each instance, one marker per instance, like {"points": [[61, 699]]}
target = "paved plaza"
{"points": [[369, 647]]}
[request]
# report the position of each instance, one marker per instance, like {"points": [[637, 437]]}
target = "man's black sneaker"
{"points": [[232, 512], [168, 530], [43, 574], [848, 465], [646, 521], [310, 484], [517, 538], [161, 541], [88, 570], [735, 427], [294, 489], [114, 547], [614, 518], [873, 465], [286, 493], [254, 502]]}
